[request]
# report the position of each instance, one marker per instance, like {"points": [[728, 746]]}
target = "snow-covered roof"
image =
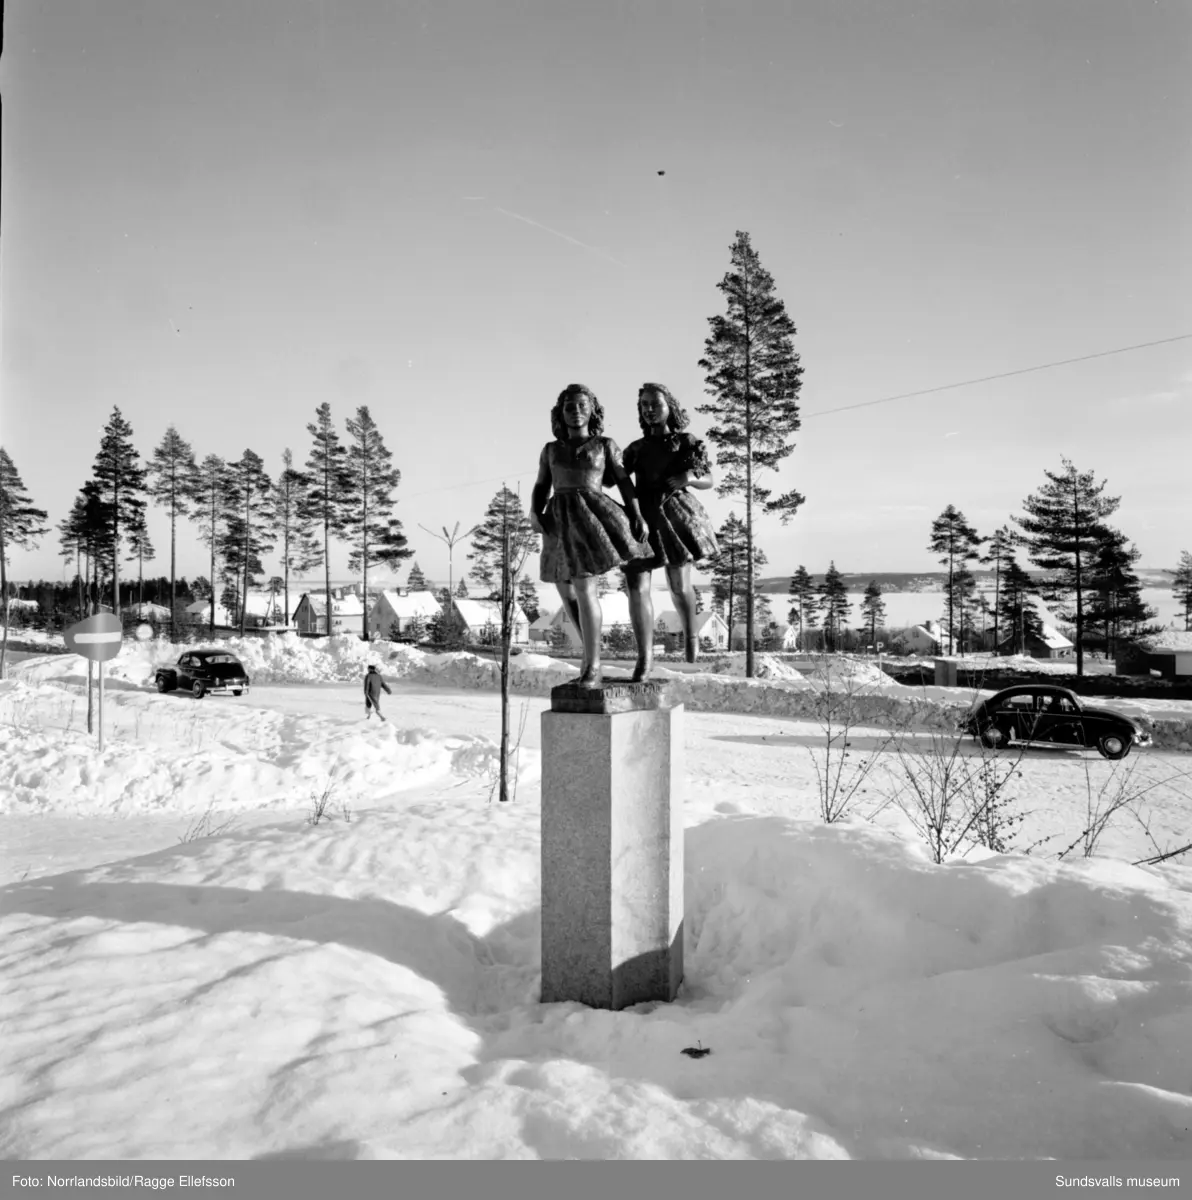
{"points": [[349, 606], [479, 613], [412, 604], [1176, 640], [156, 611], [1053, 639]]}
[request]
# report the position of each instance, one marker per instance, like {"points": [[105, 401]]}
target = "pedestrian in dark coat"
{"points": [[373, 683]]}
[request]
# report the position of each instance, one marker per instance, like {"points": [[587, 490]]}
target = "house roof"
{"points": [[412, 604], [349, 606], [708, 617], [479, 613], [1172, 640], [1053, 639]]}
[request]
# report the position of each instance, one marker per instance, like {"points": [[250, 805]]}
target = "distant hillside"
{"points": [[932, 581]]}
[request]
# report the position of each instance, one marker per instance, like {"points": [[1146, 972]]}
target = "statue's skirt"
{"points": [[680, 531], [589, 535]]}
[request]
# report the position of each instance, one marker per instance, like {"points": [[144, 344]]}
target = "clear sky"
{"points": [[220, 215]]}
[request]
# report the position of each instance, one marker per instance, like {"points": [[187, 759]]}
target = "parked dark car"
{"points": [[1043, 713], [203, 671]]}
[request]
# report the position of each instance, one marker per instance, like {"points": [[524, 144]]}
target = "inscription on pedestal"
{"points": [[612, 696]]}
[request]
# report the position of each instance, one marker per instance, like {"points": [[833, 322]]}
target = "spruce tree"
{"points": [[504, 519], [1001, 550], [328, 490], [208, 511], [874, 608], [962, 603], [804, 603], [527, 598], [834, 602], [1016, 612], [753, 374], [248, 524], [1064, 525], [121, 479], [416, 581], [170, 475], [292, 525], [461, 589], [732, 569], [22, 525], [374, 532], [957, 542], [1115, 600], [1181, 586]]}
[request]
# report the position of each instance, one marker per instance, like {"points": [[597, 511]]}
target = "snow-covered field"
{"points": [[367, 986]]}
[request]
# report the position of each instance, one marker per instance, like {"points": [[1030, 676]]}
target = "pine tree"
{"points": [[22, 525], [461, 589], [504, 517], [962, 604], [1181, 586], [292, 525], [416, 581], [730, 568], [753, 373], [956, 541], [248, 524], [1001, 550], [328, 490], [121, 479], [376, 534], [835, 605], [804, 603], [170, 477], [527, 597], [142, 551], [72, 537], [1016, 611], [1063, 527], [208, 510], [1115, 600], [874, 608]]}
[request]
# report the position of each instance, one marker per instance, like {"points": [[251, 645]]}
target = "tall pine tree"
{"points": [[329, 490], [956, 542], [375, 534], [141, 551], [248, 524], [121, 479], [1001, 550], [292, 525], [170, 475], [835, 605], [209, 486], [804, 603], [1115, 601], [753, 374], [1064, 525], [22, 526], [874, 608]]}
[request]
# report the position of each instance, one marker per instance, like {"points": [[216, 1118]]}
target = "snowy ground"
{"points": [[366, 986]]}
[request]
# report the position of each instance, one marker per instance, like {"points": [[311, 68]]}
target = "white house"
{"points": [[394, 608], [929, 638], [711, 625], [483, 616], [786, 637], [200, 613], [347, 613], [149, 612]]}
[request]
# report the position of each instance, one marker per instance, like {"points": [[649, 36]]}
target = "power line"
{"points": [[1063, 362], [947, 387]]}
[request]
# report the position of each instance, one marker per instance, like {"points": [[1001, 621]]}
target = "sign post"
{"points": [[97, 639]]}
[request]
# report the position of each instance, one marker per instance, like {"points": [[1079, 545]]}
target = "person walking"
{"points": [[373, 683]]}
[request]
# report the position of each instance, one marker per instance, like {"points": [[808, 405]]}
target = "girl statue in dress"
{"points": [[585, 533], [664, 464]]}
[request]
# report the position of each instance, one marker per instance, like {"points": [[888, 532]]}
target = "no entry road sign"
{"points": [[98, 638]]}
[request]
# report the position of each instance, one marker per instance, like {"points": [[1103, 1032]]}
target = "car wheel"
{"points": [[1114, 745], [199, 691], [993, 737], [162, 686], [236, 691]]}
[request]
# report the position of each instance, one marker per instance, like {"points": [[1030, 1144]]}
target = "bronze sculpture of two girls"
{"points": [[586, 533]]}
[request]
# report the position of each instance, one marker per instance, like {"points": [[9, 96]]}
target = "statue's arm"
{"points": [[540, 492], [695, 468], [626, 488]]}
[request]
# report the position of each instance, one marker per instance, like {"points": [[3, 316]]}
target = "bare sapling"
{"points": [[839, 781], [321, 801], [208, 825], [514, 757]]}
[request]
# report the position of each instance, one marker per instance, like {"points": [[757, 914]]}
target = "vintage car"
{"points": [[1054, 715], [203, 671]]}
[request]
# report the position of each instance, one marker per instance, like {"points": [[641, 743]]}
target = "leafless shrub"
{"points": [[321, 801], [207, 825]]}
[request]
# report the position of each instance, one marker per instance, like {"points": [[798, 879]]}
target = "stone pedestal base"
{"points": [[612, 846]]}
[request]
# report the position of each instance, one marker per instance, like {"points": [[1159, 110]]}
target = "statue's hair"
{"points": [[678, 418], [559, 427]]}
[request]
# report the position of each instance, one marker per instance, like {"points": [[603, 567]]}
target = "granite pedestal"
{"points": [[612, 845]]}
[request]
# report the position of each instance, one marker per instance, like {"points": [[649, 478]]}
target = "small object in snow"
{"points": [[699, 1050], [661, 172]]}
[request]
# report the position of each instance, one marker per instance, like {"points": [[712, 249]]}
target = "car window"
{"points": [[220, 658], [1018, 702], [1066, 705], [1044, 703], [184, 661]]}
